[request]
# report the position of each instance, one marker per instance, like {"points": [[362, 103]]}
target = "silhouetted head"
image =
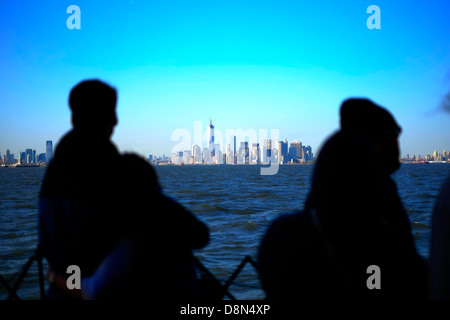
{"points": [[93, 105], [375, 122]]}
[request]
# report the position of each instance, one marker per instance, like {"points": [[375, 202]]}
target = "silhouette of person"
{"points": [[353, 219], [106, 213], [440, 238], [440, 245]]}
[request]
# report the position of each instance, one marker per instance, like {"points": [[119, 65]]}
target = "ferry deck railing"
{"points": [[220, 290]]}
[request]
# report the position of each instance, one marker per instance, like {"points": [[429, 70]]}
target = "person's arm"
{"points": [[108, 277], [112, 271], [193, 232], [61, 282]]}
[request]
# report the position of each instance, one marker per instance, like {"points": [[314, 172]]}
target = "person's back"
{"points": [[440, 245], [293, 262], [80, 202], [163, 234], [364, 223], [327, 249]]}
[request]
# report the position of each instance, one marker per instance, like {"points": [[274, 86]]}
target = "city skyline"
{"points": [[269, 65], [436, 155], [30, 155]]}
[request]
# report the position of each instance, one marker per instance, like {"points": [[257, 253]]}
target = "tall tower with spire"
{"points": [[211, 137]]}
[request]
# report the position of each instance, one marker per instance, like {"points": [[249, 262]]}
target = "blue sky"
{"points": [[283, 65]]}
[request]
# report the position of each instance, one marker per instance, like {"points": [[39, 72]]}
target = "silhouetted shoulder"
{"points": [[140, 171]]}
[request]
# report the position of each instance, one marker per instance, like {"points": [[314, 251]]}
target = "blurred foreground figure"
{"points": [[105, 213], [440, 246], [440, 237], [353, 219]]}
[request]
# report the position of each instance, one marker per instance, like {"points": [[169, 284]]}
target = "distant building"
{"points": [[177, 157], [298, 149], [211, 138], [292, 153], [187, 156], [229, 156], [22, 158], [197, 154], [234, 151], [49, 150], [308, 154], [255, 154], [282, 148], [41, 157], [28, 155], [9, 157], [207, 156], [218, 157], [243, 153]]}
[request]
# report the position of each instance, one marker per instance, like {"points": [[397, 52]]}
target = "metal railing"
{"points": [[12, 290], [214, 288]]}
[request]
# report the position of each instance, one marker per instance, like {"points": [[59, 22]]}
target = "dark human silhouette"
{"points": [[353, 218], [440, 237], [440, 245], [106, 213]]}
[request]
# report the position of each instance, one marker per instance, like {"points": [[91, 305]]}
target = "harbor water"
{"points": [[236, 202]]}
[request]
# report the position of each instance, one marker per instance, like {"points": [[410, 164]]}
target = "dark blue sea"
{"points": [[236, 202]]}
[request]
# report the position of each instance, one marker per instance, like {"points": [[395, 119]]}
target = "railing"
{"points": [[215, 289], [37, 256]]}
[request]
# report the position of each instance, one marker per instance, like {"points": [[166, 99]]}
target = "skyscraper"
{"points": [[283, 151], [244, 152], [211, 138], [187, 156], [49, 150], [230, 155], [207, 156], [298, 147], [8, 156], [308, 154], [255, 154], [197, 154], [234, 151], [28, 155]]}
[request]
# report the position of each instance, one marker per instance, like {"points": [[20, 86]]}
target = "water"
{"points": [[236, 202]]}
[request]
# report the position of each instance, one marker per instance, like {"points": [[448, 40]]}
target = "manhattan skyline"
{"points": [[261, 65]]}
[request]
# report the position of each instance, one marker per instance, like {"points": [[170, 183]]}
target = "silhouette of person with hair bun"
{"points": [[440, 237], [353, 218]]}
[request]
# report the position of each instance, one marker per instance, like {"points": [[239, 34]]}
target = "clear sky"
{"points": [[283, 65]]}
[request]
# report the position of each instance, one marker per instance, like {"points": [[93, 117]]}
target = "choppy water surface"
{"points": [[236, 202]]}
